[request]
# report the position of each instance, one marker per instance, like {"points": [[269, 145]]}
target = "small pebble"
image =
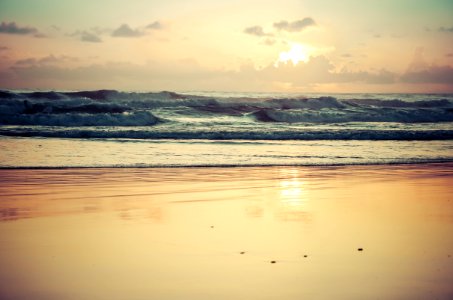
{"points": [[360, 249], [212, 226], [305, 255], [273, 261], [243, 252]]}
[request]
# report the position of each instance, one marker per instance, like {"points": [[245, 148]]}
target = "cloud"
{"points": [[3, 48], [26, 61], [256, 31], [420, 71], [46, 60], [269, 42], [449, 55], [431, 74], [320, 70], [86, 36], [295, 26], [125, 31], [13, 28], [444, 29], [187, 74], [100, 30], [155, 25], [57, 72], [182, 74]]}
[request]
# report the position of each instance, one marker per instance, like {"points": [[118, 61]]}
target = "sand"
{"points": [[354, 232]]}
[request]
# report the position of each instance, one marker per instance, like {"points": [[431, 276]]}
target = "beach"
{"points": [[226, 150], [282, 232]]}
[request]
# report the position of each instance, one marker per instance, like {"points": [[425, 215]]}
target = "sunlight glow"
{"points": [[296, 54], [291, 189]]}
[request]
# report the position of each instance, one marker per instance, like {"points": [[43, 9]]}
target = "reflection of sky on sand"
{"points": [[179, 233], [60, 192]]}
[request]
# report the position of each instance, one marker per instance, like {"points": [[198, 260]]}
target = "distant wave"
{"points": [[234, 135]]}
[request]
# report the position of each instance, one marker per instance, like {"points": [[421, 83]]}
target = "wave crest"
{"points": [[140, 118], [348, 115]]}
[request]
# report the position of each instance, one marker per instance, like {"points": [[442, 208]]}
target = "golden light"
{"points": [[291, 189], [296, 54]]}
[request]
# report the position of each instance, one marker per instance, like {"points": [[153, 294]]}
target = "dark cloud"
{"points": [[180, 74], [431, 74], [86, 36], [3, 48], [46, 60], [445, 29], [256, 31], [94, 34], [449, 55], [26, 61], [295, 26], [155, 25], [125, 31], [13, 28], [380, 77], [420, 71]]}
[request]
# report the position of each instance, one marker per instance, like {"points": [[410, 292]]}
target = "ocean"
{"points": [[108, 128]]}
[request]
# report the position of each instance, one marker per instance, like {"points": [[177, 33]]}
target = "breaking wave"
{"points": [[406, 115], [210, 116], [142, 118]]}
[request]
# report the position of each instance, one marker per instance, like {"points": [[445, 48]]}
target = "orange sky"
{"points": [[287, 45]]}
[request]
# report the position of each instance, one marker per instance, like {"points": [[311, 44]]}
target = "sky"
{"points": [[385, 46]]}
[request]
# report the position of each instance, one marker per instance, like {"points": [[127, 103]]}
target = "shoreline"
{"points": [[70, 153], [232, 166]]}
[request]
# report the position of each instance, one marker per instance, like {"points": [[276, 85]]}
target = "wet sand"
{"points": [[354, 232]]}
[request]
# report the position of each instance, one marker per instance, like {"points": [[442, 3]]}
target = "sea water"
{"points": [[122, 129]]}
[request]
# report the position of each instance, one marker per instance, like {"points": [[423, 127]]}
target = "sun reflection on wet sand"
{"points": [[227, 233], [293, 196], [292, 189]]}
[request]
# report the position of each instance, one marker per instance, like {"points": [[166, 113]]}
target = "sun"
{"points": [[296, 54]]}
